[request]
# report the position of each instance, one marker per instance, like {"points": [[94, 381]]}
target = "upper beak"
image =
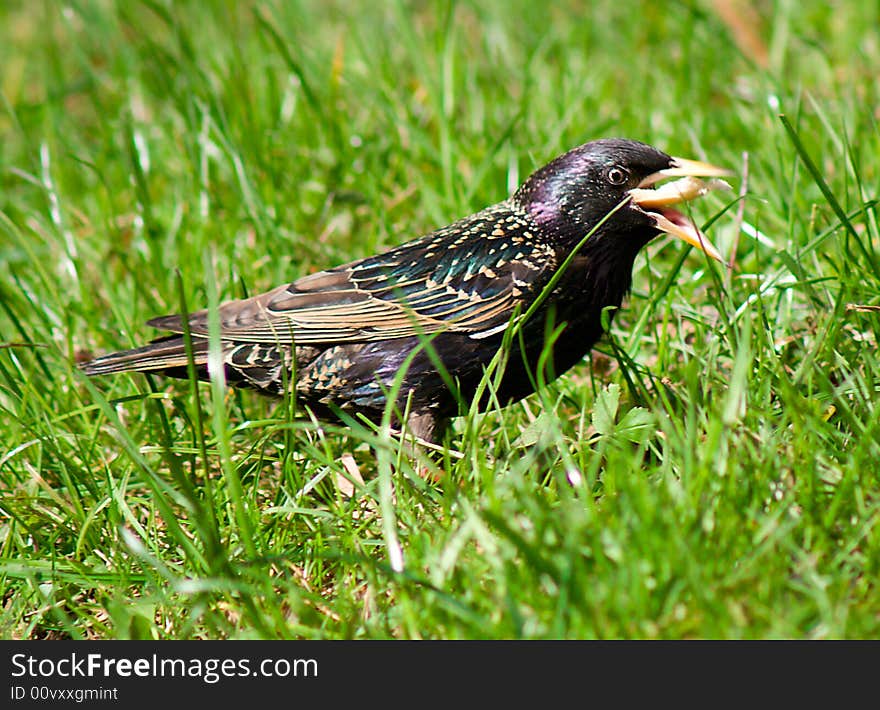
{"points": [[657, 202]]}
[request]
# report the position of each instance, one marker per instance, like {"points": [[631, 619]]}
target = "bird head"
{"points": [[570, 195]]}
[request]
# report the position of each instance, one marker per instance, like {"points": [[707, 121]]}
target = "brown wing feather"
{"points": [[422, 287]]}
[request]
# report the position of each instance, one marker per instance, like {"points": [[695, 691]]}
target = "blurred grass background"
{"points": [[711, 471]]}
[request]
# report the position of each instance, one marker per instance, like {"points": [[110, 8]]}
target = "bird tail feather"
{"points": [[161, 354]]}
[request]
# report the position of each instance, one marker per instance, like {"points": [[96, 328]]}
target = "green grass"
{"points": [[714, 474]]}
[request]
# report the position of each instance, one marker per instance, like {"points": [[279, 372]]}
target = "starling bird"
{"points": [[438, 306]]}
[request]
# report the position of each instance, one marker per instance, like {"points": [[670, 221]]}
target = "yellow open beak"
{"points": [[658, 201]]}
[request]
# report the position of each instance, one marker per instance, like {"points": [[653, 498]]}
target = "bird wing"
{"points": [[440, 282]]}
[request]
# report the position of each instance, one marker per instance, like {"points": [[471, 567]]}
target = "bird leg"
{"points": [[423, 431], [424, 426]]}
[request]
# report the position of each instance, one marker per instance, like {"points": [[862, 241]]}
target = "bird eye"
{"points": [[617, 175]]}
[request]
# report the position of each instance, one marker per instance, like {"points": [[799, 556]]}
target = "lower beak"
{"points": [[658, 202]]}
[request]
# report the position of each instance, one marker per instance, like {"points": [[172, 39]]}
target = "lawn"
{"points": [[712, 470]]}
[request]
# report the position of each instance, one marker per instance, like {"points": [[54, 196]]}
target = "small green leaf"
{"points": [[605, 409], [531, 435], [636, 425]]}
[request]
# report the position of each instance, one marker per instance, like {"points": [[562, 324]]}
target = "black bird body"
{"points": [[344, 335]]}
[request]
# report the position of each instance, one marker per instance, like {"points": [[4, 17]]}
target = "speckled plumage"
{"points": [[348, 331]]}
